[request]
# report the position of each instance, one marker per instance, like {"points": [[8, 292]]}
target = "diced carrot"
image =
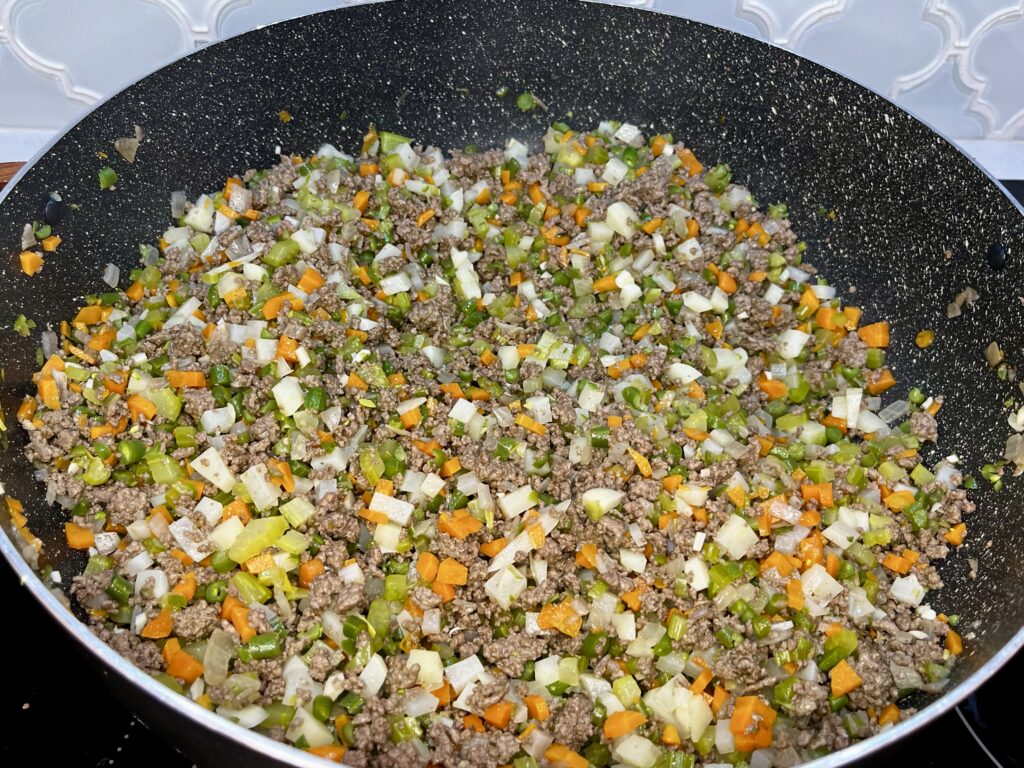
{"points": [[955, 535], [357, 382], [186, 587], [184, 666], [875, 335], [751, 724], [48, 392], [493, 547], [135, 291], [368, 169], [239, 617], [587, 556], [530, 424], [182, 379], [459, 527], [237, 508], [281, 474], [31, 262], [954, 643], [718, 699], [779, 562], [619, 724], [424, 217], [473, 722], [844, 679], [427, 565], [810, 518], [499, 714], [171, 646], [795, 594], [632, 597], [361, 201], [896, 563], [650, 227], [275, 305], [899, 500], [333, 752], [809, 300], [819, 492], [832, 564], [78, 537], [772, 387], [27, 409], [373, 516], [445, 591], [537, 707], [444, 694], [560, 754], [159, 626], [310, 280], [451, 571], [309, 570], [880, 382], [701, 681], [642, 464], [605, 284], [726, 282], [450, 467], [690, 162], [891, 714], [561, 616]]}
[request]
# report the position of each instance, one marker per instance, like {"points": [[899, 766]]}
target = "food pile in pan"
{"points": [[500, 458]]}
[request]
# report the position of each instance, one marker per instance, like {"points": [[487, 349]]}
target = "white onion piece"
{"points": [[111, 274]]}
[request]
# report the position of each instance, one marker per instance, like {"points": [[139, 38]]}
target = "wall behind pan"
{"points": [[958, 64]]}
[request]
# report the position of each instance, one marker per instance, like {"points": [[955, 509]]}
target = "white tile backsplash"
{"points": [[955, 63]]}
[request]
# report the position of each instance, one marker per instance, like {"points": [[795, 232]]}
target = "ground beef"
{"points": [[335, 520], [322, 662], [197, 402], [196, 621], [349, 598], [323, 591], [510, 654], [744, 664], [570, 723], [124, 505], [923, 426], [809, 699], [370, 352], [486, 694], [852, 352], [145, 654], [401, 675], [877, 688]]}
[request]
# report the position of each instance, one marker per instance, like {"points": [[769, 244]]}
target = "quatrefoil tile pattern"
{"points": [[955, 63]]}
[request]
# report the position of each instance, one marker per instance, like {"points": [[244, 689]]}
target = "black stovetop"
{"points": [[59, 705]]}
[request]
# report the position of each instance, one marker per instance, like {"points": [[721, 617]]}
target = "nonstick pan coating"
{"points": [[888, 208]]}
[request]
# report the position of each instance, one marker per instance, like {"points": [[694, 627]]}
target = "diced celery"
{"points": [[257, 536], [921, 476], [167, 403]]}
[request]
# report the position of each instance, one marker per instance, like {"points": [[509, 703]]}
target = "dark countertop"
{"points": [[62, 703]]}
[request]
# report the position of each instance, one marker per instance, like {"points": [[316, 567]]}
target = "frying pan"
{"points": [[912, 222]]}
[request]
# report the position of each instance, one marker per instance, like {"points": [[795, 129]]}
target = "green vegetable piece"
{"points": [[526, 101], [108, 177]]}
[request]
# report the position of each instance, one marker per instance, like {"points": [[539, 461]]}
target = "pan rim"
{"points": [[286, 753]]}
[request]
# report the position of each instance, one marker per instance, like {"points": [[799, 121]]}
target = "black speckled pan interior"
{"points": [[913, 218]]}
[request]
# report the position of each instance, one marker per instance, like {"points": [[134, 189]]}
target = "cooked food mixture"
{"points": [[502, 459]]}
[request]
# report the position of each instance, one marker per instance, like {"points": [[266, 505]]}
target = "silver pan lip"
{"points": [[285, 754]]}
